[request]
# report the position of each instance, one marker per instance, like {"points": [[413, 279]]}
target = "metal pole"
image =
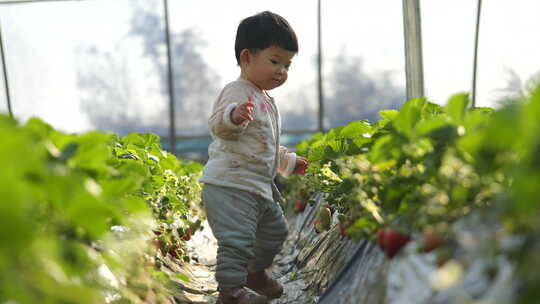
{"points": [[319, 69], [475, 60], [172, 124], [4, 69], [414, 67]]}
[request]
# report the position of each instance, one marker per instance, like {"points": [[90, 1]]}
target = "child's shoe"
{"points": [[240, 295], [261, 283]]}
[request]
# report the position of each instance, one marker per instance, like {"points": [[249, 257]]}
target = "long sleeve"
{"points": [[220, 122], [287, 161], [246, 157]]}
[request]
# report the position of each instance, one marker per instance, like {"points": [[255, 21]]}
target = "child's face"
{"points": [[268, 68]]}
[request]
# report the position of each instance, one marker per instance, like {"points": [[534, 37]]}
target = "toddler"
{"points": [[239, 194]]}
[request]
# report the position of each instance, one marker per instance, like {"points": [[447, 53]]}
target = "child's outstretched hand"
{"points": [[301, 165], [243, 112]]}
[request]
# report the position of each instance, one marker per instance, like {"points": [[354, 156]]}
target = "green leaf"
{"points": [[134, 139], [389, 114], [457, 107], [330, 153], [471, 142], [6, 120], [135, 204], [16, 226], [418, 148], [302, 147], [38, 127], [386, 148], [431, 110], [333, 133], [336, 145], [503, 129], [150, 139], [182, 277], [69, 151], [476, 118], [90, 213], [93, 152], [359, 142], [408, 116], [356, 129], [427, 126], [363, 224], [317, 153]]}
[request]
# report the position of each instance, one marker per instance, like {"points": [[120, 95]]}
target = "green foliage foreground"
{"points": [[77, 215], [425, 166]]}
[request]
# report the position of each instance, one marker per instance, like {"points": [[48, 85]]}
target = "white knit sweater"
{"points": [[246, 156]]}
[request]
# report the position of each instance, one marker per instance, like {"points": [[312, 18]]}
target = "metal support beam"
{"points": [[475, 59], [170, 76], [4, 69], [319, 69], [414, 67]]}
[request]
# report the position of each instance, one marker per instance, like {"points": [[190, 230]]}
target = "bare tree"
{"points": [[111, 92], [303, 115], [516, 89], [354, 94]]}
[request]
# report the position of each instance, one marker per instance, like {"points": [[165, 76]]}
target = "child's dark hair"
{"points": [[264, 30]]}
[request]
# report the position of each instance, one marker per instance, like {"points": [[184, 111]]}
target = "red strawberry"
{"points": [[173, 253], [299, 206], [187, 236], [391, 241]]}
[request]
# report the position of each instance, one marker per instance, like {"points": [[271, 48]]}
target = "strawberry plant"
{"points": [[172, 190], [407, 165], [76, 207], [421, 168]]}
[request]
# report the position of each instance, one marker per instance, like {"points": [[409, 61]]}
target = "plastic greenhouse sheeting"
{"points": [[367, 276], [328, 268]]}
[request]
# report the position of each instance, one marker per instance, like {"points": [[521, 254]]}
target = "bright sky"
{"points": [[41, 38]]}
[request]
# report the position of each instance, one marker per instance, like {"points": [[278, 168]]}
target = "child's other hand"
{"points": [[301, 165], [243, 112]]}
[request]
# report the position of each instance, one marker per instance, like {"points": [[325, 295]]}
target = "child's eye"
{"points": [[273, 61]]}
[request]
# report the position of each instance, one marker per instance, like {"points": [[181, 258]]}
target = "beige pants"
{"points": [[249, 229]]}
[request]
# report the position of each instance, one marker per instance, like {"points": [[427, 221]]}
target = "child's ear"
{"points": [[245, 56]]}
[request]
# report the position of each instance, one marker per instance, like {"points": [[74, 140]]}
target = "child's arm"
{"points": [[290, 163], [232, 113]]}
